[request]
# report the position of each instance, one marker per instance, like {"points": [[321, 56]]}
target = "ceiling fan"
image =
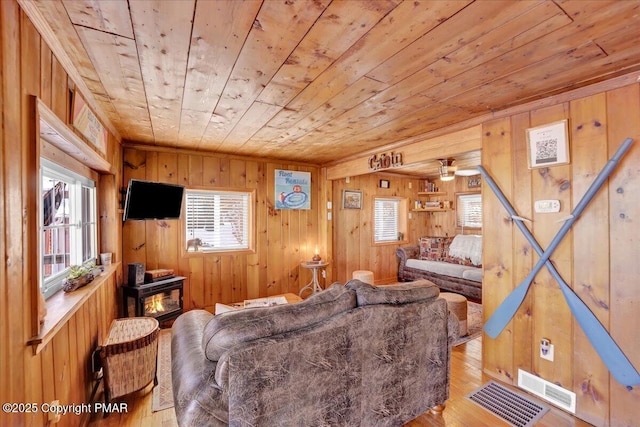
{"points": [[448, 172]]}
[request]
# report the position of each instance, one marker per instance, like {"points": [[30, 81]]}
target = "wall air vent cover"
{"points": [[514, 408]]}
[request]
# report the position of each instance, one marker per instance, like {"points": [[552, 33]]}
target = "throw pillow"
{"points": [[434, 248]]}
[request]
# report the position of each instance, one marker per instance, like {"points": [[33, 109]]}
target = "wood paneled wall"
{"points": [[599, 258], [61, 370], [352, 228], [284, 238]]}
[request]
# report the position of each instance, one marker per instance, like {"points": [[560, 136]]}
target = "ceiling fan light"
{"points": [[446, 170], [467, 172]]}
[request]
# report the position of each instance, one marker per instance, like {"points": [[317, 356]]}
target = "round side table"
{"points": [[314, 284]]}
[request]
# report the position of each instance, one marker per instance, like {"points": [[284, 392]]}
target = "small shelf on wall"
{"points": [[431, 210], [432, 193]]}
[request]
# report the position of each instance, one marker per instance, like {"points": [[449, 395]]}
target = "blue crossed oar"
{"points": [[615, 360]]}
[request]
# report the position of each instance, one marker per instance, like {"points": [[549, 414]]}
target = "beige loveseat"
{"points": [[353, 355]]}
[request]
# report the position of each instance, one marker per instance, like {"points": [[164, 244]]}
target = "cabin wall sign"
{"points": [[385, 161]]}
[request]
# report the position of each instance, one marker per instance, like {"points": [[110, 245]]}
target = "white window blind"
{"points": [[220, 219], [386, 219], [469, 210]]}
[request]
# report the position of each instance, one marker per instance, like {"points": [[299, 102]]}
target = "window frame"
{"points": [[251, 221], [402, 206], [52, 284], [458, 203]]}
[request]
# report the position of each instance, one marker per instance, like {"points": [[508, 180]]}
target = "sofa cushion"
{"points": [[447, 269], [402, 293], [229, 329], [434, 248], [473, 274]]}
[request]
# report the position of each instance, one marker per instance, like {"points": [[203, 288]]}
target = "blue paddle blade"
{"points": [[609, 352], [506, 310]]}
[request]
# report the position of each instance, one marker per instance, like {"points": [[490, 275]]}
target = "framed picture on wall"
{"points": [[351, 199], [548, 145]]}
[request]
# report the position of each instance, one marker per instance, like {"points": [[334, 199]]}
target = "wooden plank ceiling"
{"points": [[320, 80]]}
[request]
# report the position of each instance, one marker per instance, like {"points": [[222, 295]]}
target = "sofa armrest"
{"points": [[404, 253], [408, 252], [198, 398]]}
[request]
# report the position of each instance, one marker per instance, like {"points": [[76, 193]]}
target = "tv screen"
{"points": [[152, 200]]}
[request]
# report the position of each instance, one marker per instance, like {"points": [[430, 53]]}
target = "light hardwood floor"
{"points": [[466, 376]]}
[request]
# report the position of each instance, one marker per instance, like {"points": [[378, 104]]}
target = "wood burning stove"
{"points": [[161, 300]]}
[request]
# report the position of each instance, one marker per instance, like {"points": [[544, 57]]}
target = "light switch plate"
{"points": [[547, 206]]}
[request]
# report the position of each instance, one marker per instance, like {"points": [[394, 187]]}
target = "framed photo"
{"points": [[384, 183], [351, 199], [548, 145], [474, 181]]}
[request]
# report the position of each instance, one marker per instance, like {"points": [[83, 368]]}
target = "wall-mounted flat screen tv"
{"points": [[152, 200]]}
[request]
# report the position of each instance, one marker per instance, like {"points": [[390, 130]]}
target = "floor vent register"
{"points": [[514, 408]]}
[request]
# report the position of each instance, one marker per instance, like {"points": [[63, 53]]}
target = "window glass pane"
{"points": [[386, 220], [56, 242], [469, 210], [68, 224], [218, 220]]}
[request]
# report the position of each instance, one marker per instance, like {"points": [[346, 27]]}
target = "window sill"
{"points": [[391, 242], [62, 306]]}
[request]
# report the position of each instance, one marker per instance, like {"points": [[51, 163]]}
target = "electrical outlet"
{"points": [[546, 349]]}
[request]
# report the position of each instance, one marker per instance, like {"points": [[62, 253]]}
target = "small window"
{"points": [[469, 210], [218, 220], [68, 224], [388, 219]]}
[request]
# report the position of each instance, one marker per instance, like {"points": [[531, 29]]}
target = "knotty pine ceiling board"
{"points": [[439, 42], [407, 22], [354, 95], [107, 16], [339, 27], [276, 32], [219, 31], [119, 71], [163, 34]]}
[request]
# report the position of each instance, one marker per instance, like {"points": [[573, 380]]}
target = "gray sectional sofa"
{"points": [[350, 355]]}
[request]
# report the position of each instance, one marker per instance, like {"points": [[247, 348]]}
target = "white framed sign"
{"points": [[548, 145]]}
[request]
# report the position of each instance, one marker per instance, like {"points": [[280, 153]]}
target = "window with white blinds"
{"points": [[217, 220], [469, 210], [386, 219]]}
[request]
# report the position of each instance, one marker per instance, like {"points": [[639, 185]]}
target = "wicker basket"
{"points": [[129, 356]]}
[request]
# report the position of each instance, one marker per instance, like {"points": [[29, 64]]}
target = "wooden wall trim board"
{"points": [[60, 135], [186, 151]]}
